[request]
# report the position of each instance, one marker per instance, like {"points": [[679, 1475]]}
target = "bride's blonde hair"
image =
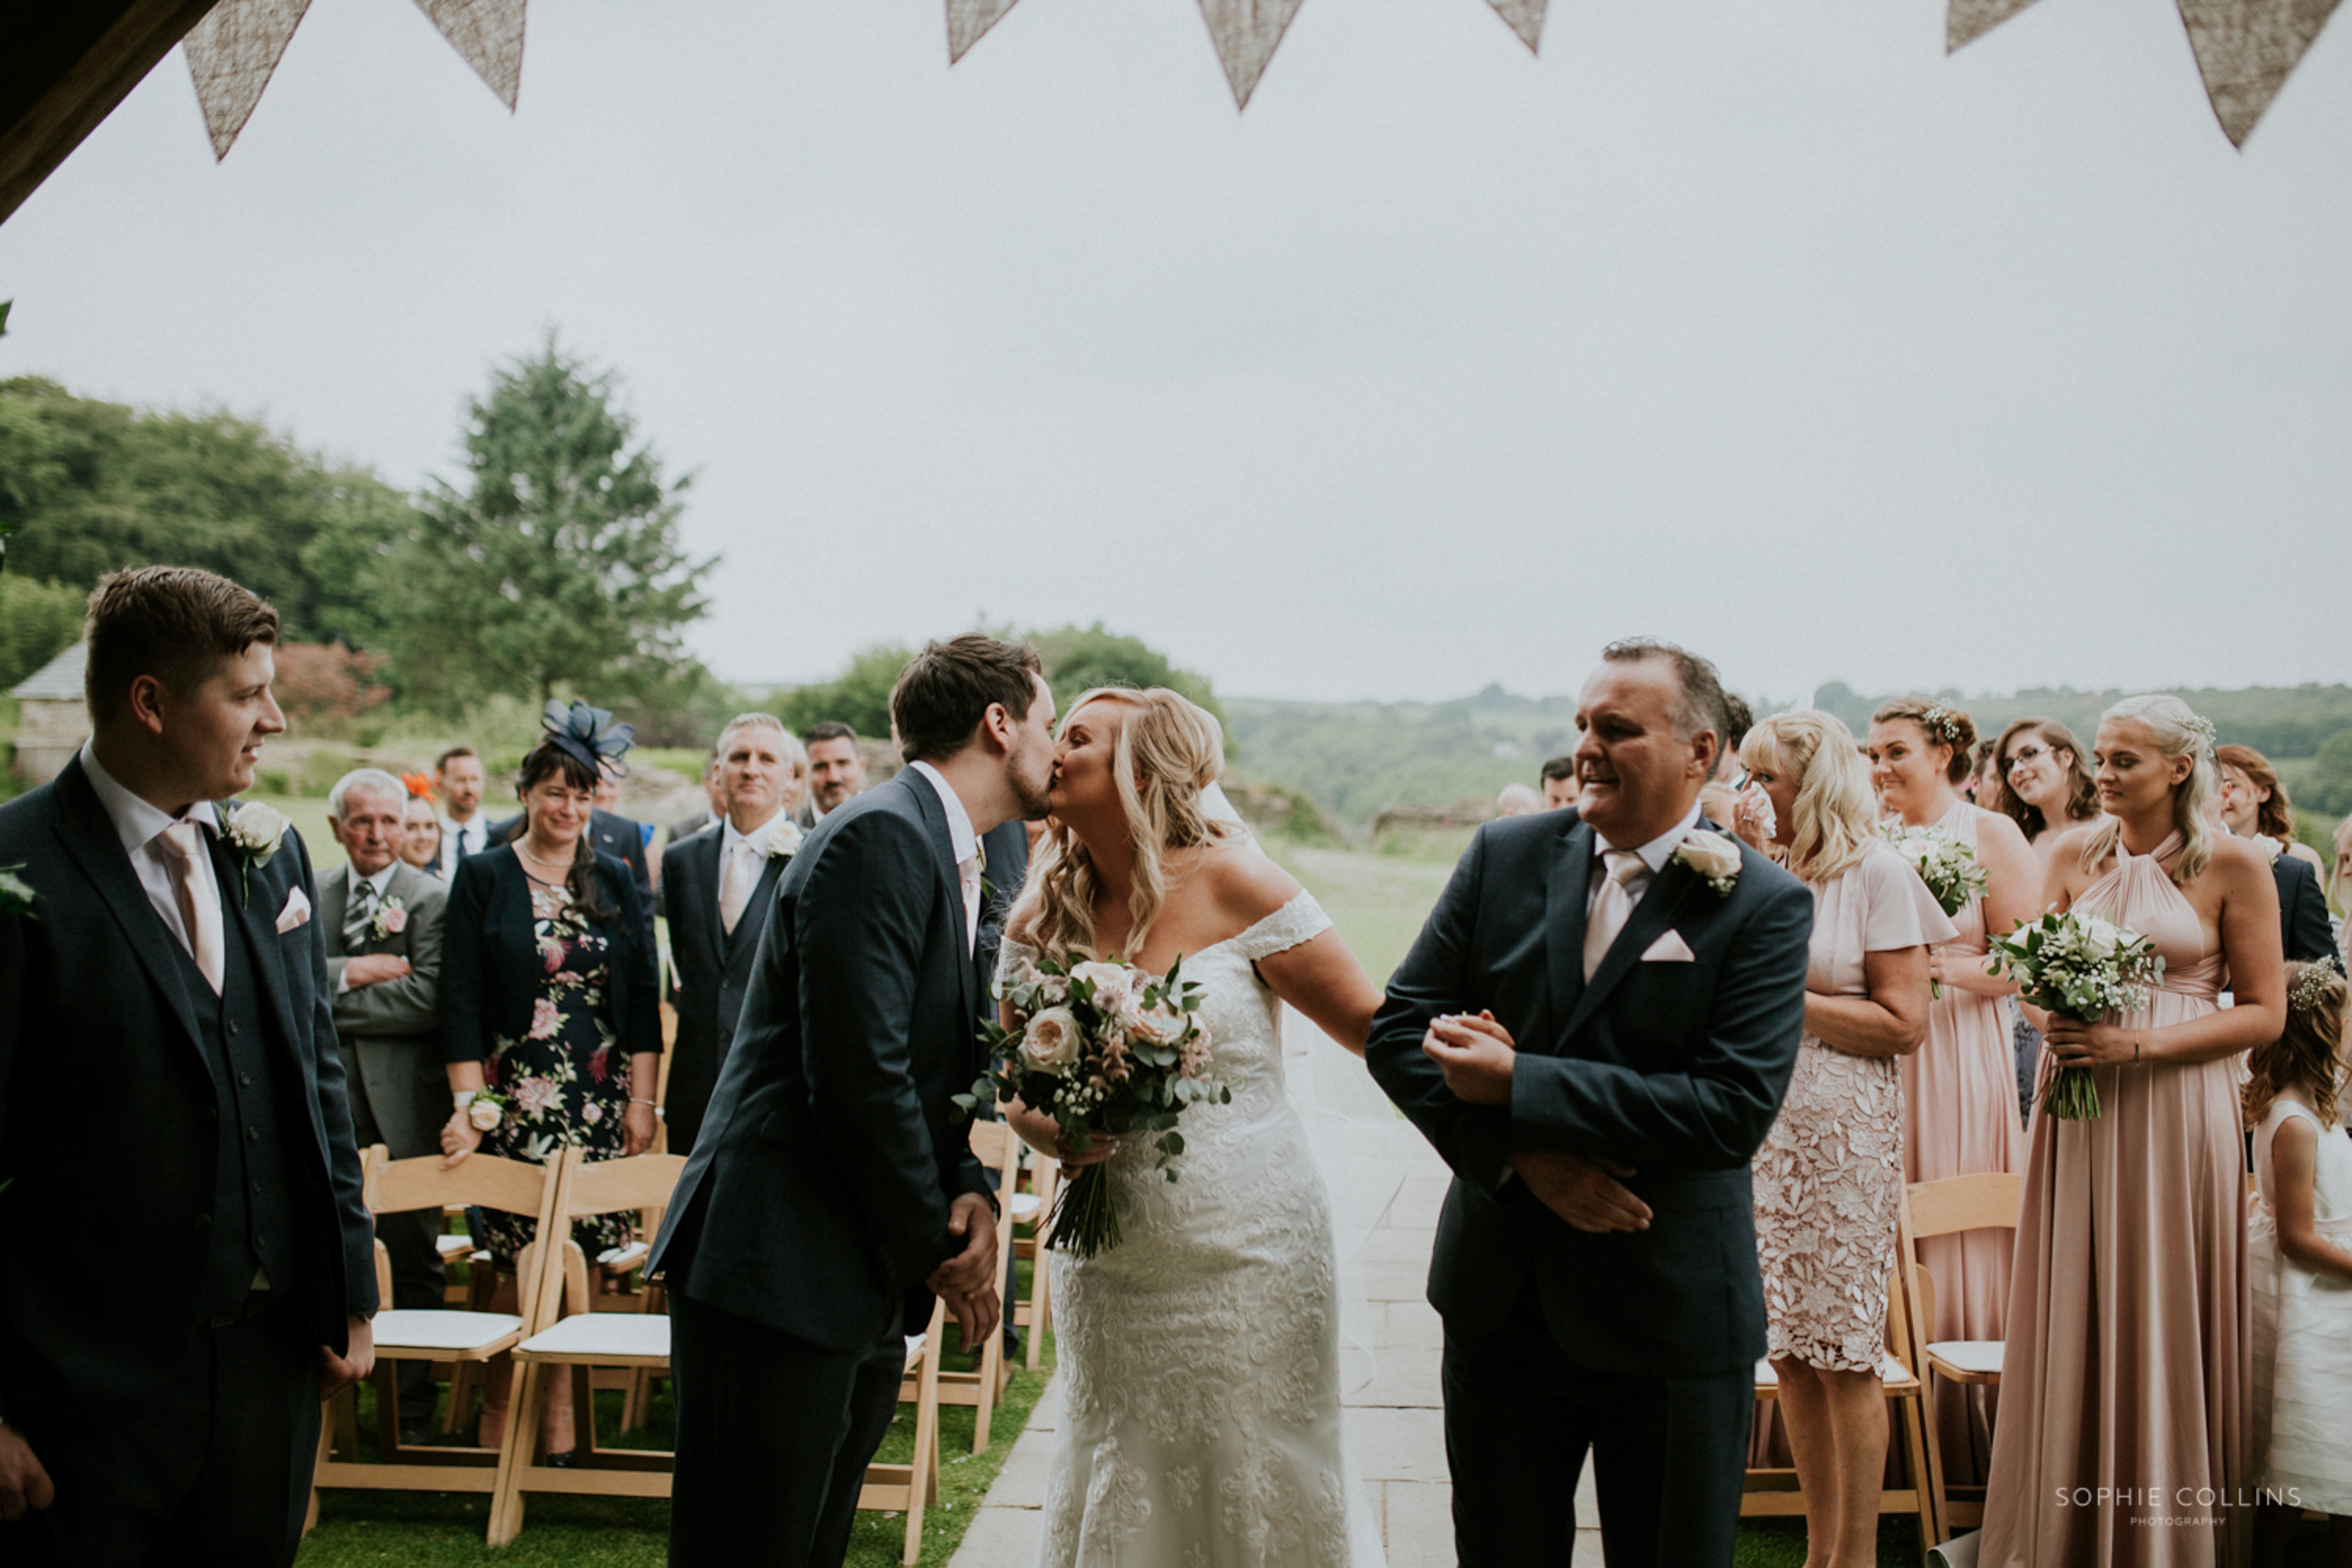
{"points": [[1834, 809], [1167, 752], [2180, 732]]}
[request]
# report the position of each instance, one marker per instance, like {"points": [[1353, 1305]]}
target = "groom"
{"points": [[832, 1172], [1595, 1028]]}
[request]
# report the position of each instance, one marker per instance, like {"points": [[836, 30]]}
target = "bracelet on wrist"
{"points": [[648, 1104]]}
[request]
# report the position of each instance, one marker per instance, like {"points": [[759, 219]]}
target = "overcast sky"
{"points": [[1758, 323]]}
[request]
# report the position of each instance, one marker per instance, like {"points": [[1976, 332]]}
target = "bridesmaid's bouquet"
{"points": [[2079, 967], [1107, 1049], [1949, 867]]}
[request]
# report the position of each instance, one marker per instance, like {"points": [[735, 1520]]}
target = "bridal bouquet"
{"points": [[1107, 1049], [1949, 867], [2079, 967]]}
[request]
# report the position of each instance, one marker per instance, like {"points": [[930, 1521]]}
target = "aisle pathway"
{"points": [[1395, 1424]]}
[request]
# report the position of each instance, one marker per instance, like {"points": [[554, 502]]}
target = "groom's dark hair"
{"points": [[1703, 704], [178, 624], [945, 690]]}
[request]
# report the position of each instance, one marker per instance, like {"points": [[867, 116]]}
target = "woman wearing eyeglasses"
{"points": [[2046, 786]]}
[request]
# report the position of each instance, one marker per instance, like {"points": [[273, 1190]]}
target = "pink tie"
{"points": [[1612, 907], [181, 843], [968, 877], [735, 887]]}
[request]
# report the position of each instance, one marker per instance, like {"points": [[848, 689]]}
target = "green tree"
{"points": [[38, 622], [859, 697], [88, 487], [559, 564], [2335, 770], [1078, 659]]}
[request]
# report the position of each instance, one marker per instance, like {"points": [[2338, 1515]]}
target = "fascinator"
{"points": [[589, 734], [419, 787]]}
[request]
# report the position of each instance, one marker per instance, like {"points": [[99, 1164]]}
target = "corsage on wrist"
{"points": [[484, 1108]]}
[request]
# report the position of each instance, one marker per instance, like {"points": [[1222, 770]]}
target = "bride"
{"points": [[1200, 1354]]}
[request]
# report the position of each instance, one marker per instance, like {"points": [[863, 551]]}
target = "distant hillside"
{"points": [[1359, 758]]}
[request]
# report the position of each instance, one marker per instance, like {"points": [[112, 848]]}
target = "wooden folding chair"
{"points": [[1033, 1210], [1987, 1201], [1771, 1491], [998, 1149], [465, 1338], [575, 1338], [907, 1488]]}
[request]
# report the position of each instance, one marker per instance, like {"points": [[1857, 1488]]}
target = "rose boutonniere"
{"points": [[1713, 857], [784, 838], [2272, 847], [391, 919], [17, 895], [255, 832]]}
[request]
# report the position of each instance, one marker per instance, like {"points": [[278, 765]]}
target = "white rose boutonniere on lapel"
{"points": [[1713, 857], [784, 838], [391, 919], [255, 832]]}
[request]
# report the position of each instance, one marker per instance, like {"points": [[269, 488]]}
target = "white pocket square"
{"points": [[296, 911], [1669, 949]]}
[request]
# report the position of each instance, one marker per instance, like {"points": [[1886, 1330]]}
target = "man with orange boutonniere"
{"points": [[185, 1264]]}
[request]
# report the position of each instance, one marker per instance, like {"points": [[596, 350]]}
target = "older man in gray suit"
{"points": [[382, 921]]}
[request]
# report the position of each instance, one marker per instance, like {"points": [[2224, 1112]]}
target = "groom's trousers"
{"points": [[773, 1436], [1669, 1454]]}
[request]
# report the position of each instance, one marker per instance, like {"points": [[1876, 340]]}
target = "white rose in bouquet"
{"points": [[1052, 1042], [1160, 1026], [1112, 982]]}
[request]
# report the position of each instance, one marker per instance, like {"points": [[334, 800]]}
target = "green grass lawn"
{"points": [[444, 1529]]}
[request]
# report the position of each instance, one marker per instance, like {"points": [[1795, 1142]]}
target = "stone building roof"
{"points": [[59, 680]]}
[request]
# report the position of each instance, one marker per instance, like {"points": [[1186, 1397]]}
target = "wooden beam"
{"points": [[71, 65]]}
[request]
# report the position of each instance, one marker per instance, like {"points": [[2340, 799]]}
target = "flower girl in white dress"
{"points": [[1199, 1355], [2299, 1249]]}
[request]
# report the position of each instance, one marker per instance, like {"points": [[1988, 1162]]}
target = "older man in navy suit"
{"points": [[1595, 1029]]}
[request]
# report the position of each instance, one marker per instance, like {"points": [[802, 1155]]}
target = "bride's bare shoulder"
{"points": [[1244, 884]]}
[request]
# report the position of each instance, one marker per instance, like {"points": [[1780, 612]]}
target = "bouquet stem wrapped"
{"points": [[2082, 968], [1107, 1050]]}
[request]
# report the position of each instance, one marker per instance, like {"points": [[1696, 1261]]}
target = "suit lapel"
{"points": [[334, 903], [935, 821], [1651, 917], [1564, 898], [258, 916], [89, 838]]}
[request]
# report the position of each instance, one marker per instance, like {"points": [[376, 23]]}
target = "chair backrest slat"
{"points": [[1986, 1201], [639, 1182], [511, 1186]]}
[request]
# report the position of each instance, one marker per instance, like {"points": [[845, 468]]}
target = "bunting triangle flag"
{"points": [[1246, 33], [232, 54], [1526, 19], [488, 35], [968, 20], [1966, 21], [2245, 48]]}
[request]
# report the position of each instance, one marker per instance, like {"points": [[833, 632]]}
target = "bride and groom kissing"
{"points": [[1594, 1029]]}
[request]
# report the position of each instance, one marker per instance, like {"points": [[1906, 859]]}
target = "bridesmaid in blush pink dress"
{"points": [[1959, 1089], [2125, 1430], [1829, 1178]]}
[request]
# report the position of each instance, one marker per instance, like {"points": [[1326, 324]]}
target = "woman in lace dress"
{"points": [[1200, 1356], [1829, 1179], [1959, 1089], [2124, 1434]]}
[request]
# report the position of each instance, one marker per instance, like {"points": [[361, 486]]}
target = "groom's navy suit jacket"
{"points": [[818, 1191], [1675, 1067]]}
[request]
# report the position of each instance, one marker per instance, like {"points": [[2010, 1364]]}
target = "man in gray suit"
{"points": [[382, 921]]}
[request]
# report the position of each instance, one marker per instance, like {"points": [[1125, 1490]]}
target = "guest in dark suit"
{"points": [[719, 884], [2302, 912], [1595, 1029], [381, 922], [458, 778], [550, 1006], [686, 827], [836, 772], [185, 1263], [834, 1170]]}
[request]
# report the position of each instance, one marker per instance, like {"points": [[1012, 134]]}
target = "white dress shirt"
{"points": [[964, 845], [1654, 855], [732, 843], [139, 823], [461, 839], [381, 883]]}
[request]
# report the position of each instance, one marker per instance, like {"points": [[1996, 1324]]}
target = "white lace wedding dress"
{"points": [[1200, 1357]]}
